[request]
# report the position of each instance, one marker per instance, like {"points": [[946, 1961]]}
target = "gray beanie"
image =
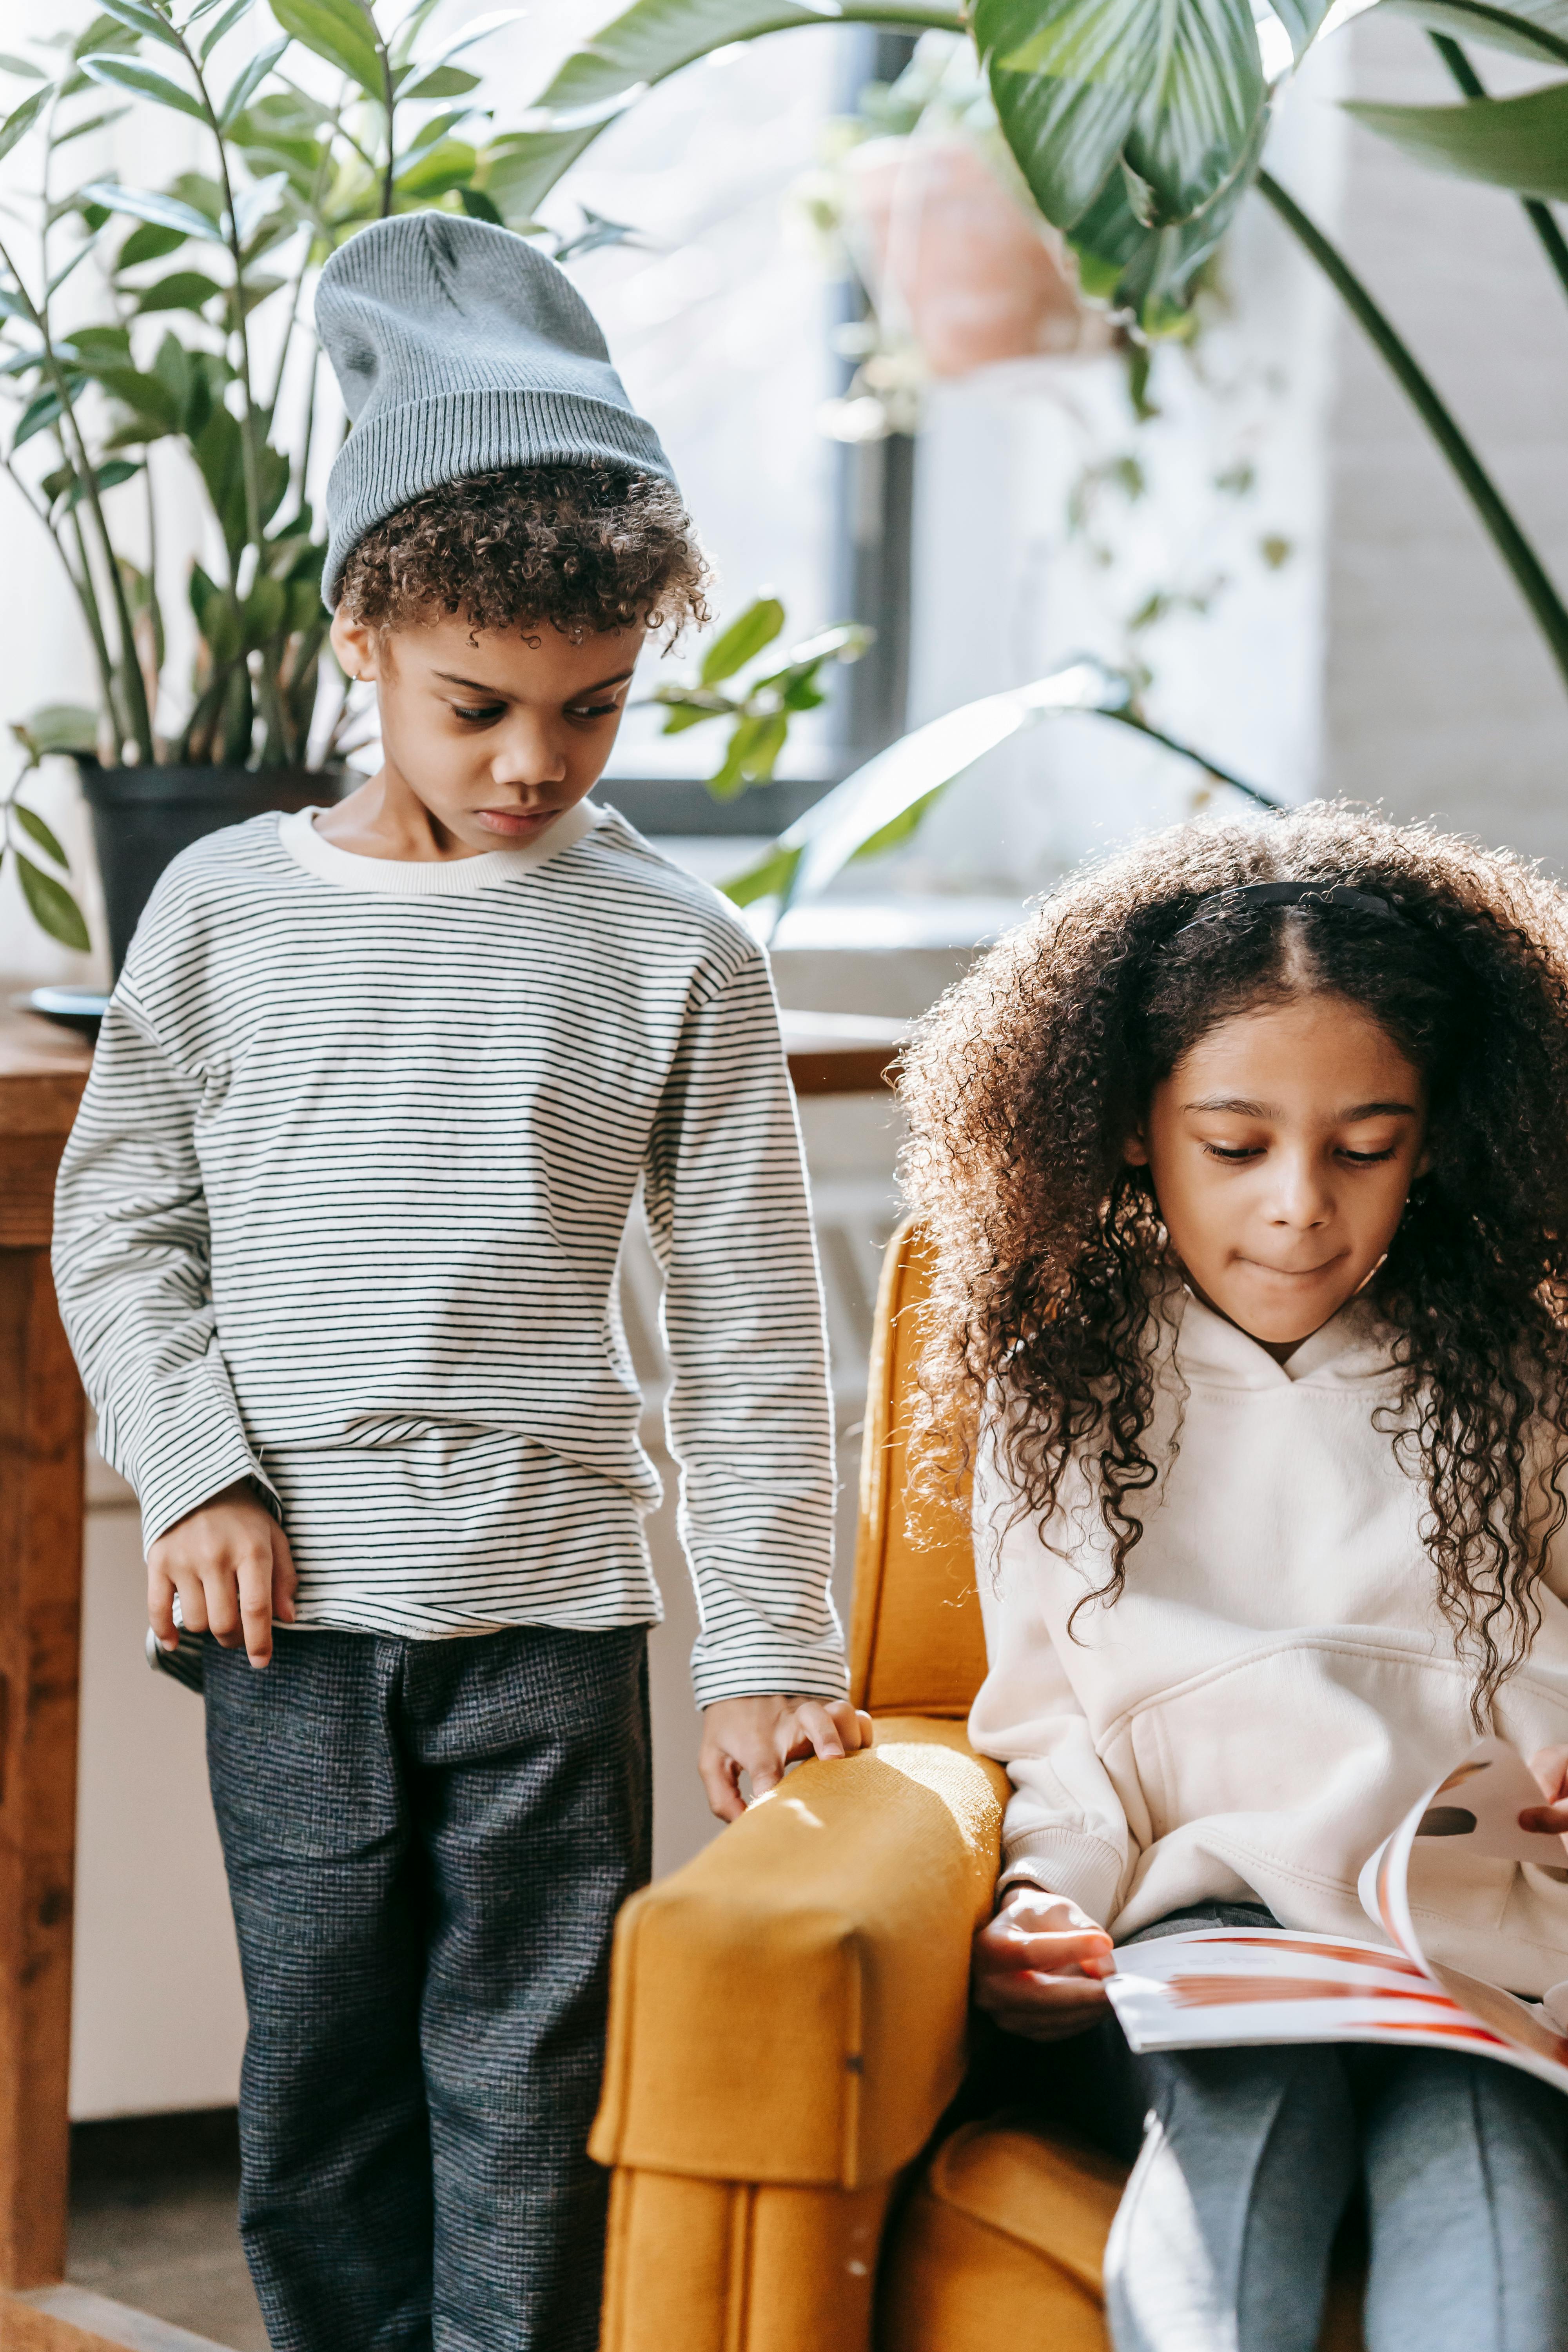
{"points": [[460, 350]]}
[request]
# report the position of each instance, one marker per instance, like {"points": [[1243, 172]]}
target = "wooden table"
{"points": [[42, 1072], [841, 1053]]}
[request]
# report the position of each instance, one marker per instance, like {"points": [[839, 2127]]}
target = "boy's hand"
{"points": [[1037, 1966], [1550, 1766], [760, 1735], [230, 1563]]}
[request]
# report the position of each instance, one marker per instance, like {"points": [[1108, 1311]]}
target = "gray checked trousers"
{"points": [[426, 1844]]}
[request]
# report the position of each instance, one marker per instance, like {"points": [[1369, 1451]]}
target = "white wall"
{"points": [[1441, 698]]}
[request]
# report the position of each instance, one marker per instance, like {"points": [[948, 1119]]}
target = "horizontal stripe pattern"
{"points": [[341, 1213]]}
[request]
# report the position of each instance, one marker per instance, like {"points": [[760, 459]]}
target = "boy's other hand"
{"points": [[230, 1563], [760, 1735], [1038, 1965], [1550, 1766]]}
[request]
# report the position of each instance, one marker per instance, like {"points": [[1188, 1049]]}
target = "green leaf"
{"points": [[93, 347], [1153, 272], [22, 66], [752, 752], [218, 452], [37, 831], [146, 205], [441, 81], [434, 127], [250, 81], [682, 715], [184, 289], [44, 409], [225, 23], [1528, 28], [1509, 143], [448, 165], [137, 18], [1171, 88], [477, 206], [57, 727], [1303, 20], [914, 771], [21, 119], [147, 397], [50, 905], [65, 484], [175, 369], [648, 42], [337, 30], [741, 642], [129, 73], [771, 878], [266, 609], [90, 123], [148, 244], [217, 617]]}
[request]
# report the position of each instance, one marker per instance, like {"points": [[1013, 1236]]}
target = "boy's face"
{"points": [[493, 734], [1282, 1149]]}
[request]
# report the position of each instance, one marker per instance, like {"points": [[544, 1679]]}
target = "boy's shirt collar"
{"points": [[454, 878]]}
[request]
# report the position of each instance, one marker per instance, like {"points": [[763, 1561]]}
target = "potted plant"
{"points": [[167, 347], [136, 319]]}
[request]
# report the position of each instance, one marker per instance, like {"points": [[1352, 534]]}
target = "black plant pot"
{"points": [[142, 817]]}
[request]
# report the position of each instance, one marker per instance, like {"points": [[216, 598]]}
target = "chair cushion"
{"points": [[790, 2007], [1004, 2239]]}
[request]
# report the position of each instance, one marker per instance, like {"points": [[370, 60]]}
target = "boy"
{"points": [[336, 1246]]}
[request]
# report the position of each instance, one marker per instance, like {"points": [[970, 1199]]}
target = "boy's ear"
{"points": [[1135, 1152], [356, 645]]}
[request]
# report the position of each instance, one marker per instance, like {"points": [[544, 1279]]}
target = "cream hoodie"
{"points": [[1275, 1686]]}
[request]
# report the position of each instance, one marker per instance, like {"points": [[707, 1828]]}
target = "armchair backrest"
{"points": [[917, 1645]]}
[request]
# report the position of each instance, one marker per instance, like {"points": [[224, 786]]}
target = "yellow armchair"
{"points": [[788, 2013]]}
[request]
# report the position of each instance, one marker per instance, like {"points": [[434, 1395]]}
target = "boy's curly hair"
{"points": [[584, 547], [1023, 1081]]}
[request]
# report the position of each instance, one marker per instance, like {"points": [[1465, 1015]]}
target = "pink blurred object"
{"points": [[950, 256]]}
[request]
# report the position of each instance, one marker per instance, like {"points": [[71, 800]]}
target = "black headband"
{"points": [[1241, 896]]}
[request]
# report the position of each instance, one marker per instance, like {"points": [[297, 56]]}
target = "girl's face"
{"points": [[1281, 1149]]}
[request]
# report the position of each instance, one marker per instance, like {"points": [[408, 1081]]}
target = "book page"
{"points": [[1475, 1811], [1222, 1986]]}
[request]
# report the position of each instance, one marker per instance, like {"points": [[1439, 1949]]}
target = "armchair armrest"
{"points": [[790, 2007]]}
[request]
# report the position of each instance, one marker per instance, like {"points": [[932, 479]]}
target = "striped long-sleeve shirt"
{"points": [[342, 1211]]}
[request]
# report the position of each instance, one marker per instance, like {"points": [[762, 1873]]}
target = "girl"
{"points": [[1245, 1160]]}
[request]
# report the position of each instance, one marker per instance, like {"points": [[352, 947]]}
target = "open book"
{"points": [[1224, 1986]]}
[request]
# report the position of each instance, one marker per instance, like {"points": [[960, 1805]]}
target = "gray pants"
{"points": [[1249, 2158], [427, 1843]]}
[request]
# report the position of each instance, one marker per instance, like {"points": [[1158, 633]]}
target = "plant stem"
{"points": [[83, 594], [1534, 583], [275, 748], [1253, 792], [390, 101], [130, 667], [94, 617], [1539, 216], [126, 709]]}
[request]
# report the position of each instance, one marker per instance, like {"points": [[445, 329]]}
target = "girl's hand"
{"points": [[760, 1735], [1550, 1766], [230, 1563], [1038, 1966]]}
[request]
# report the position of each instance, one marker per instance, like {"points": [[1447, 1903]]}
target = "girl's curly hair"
{"points": [[585, 547], [1023, 1082]]}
